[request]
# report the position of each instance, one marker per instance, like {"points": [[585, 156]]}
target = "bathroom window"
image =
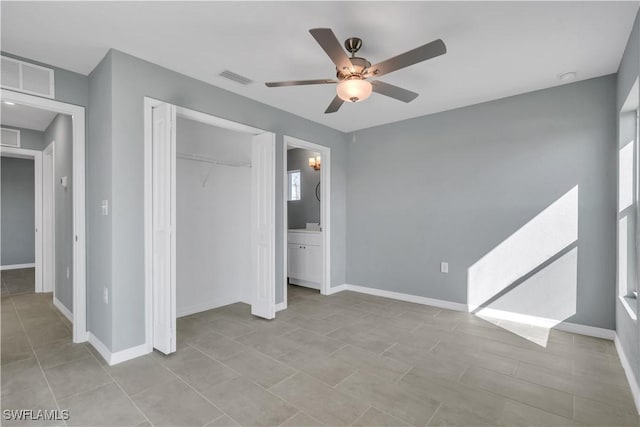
{"points": [[294, 185]]}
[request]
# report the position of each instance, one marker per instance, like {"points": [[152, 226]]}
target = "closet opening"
{"points": [[209, 222]]}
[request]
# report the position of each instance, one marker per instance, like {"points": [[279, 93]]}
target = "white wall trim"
{"points": [[631, 378], [449, 305], [99, 346], [118, 356], [128, 354], [209, 305], [79, 221], [592, 331], [336, 289], [64, 310], [17, 266]]}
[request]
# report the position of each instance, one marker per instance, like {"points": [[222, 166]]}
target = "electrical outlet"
{"points": [[444, 267], [67, 272], [106, 295]]}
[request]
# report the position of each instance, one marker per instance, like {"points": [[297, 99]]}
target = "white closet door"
{"points": [[263, 225], [164, 214]]}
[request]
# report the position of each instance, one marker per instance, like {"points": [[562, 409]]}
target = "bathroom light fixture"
{"points": [[314, 163], [354, 90], [9, 103]]}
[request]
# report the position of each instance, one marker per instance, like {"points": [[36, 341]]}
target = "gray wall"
{"points": [[99, 227], [31, 139], [132, 79], [307, 209], [452, 186], [628, 330], [61, 131], [17, 211]]}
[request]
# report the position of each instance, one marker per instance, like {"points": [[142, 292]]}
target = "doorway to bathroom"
{"points": [[306, 217]]}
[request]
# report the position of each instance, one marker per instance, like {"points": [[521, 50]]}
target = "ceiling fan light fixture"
{"points": [[354, 90]]}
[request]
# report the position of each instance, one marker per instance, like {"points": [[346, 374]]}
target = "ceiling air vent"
{"points": [[25, 77], [10, 137], [235, 77]]}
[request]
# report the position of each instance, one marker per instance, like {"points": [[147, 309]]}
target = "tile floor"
{"points": [[345, 359]]}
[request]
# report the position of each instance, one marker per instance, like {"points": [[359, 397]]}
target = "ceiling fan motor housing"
{"points": [[359, 66]]}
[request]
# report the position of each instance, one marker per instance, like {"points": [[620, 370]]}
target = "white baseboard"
{"points": [[400, 296], [592, 331], [208, 305], [281, 306], [64, 310], [17, 266], [449, 305], [128, 354], [118, 356], [304, 283], [336, 289], [99, 346], [631, 378]]}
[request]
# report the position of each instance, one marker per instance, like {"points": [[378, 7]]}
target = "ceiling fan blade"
{"points": [[335, 105], [300, 83], [392, 91], [328, 41], [419, 54]]}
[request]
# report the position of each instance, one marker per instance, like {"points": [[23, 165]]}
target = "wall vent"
{"points": [[235, 77], [25, 77], [10, 137]]}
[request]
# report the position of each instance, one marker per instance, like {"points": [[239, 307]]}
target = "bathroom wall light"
{"points": [[314, 163]]}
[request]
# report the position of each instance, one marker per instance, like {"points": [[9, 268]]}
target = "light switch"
{"points": [[105, 207], [63, 182], [444, 267]]}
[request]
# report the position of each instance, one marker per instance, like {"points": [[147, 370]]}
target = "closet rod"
{"points": [[205, 159]]}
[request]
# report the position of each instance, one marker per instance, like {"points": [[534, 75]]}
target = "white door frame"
{"points": [[149, 104], [48, 219], [77, 114], [36, 156], [325, 211]]}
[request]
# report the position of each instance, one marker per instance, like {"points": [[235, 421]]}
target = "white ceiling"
{"points": [[495, 49], [25, 117]]}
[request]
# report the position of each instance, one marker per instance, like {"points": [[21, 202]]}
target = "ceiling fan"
{"points": [[353, 73]]}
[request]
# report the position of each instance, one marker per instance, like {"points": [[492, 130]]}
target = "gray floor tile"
{"points": [[302, 420], [223, 421], [376, 418], [140, 373], [322, 402], [75, 377], [197, 369], [545, 398], [36, 398], [518, 414], [22, 375], [258, 367], [399, 400], [217, 346], [591, 412], [175, 404], [313, 343], [453, 416], [371, 363], [326, 369], [59, 352], [106, 405], [249, 404]]}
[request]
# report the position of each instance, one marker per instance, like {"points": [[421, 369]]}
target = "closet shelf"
{"points": [[205, 159]]}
